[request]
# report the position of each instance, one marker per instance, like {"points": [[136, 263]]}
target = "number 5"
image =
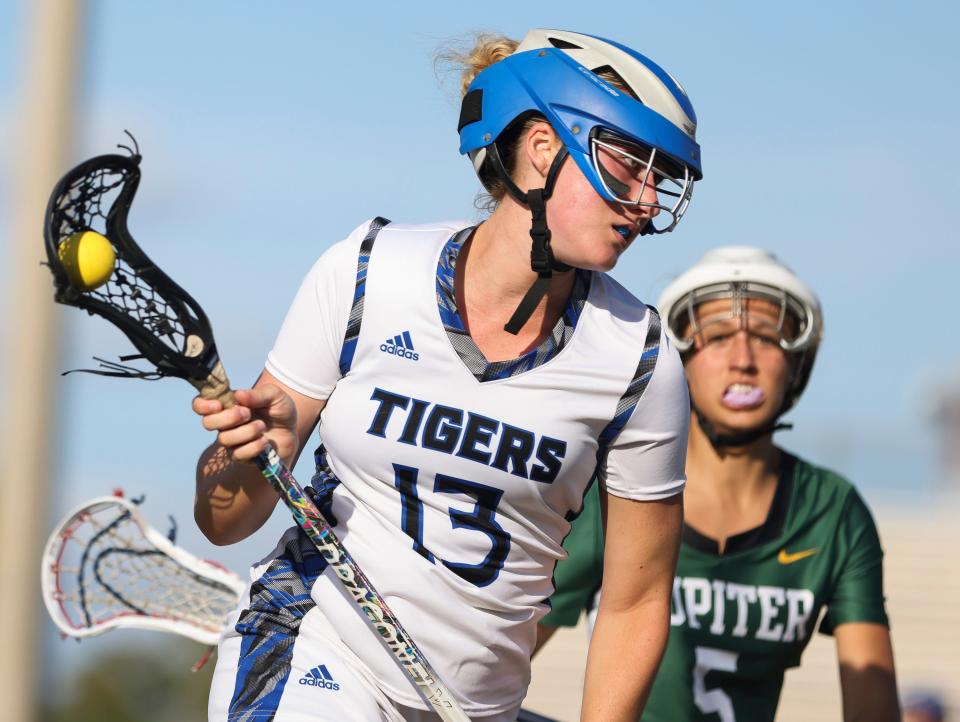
{"points": [[714, 700]]}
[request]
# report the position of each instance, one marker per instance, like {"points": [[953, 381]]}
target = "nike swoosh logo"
{"points": [[786, 558]]}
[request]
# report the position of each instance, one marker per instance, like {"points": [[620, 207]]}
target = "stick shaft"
{"points": [[374, 607]]}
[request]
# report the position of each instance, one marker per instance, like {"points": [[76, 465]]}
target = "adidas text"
{"points": [[319, 683], [320, 676], [400, 346], [399, 352]]}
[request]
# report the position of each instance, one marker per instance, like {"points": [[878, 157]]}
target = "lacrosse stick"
{"points": [[104, 567], [171, 332]]}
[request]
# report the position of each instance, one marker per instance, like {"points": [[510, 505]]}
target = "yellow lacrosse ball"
{"points": [[88, 258]]}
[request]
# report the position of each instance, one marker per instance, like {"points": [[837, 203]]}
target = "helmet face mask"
{"points": [[792, 330], [624, 171]]}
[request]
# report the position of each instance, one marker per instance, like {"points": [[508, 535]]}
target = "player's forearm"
{"points": [[625, 652], [869, 693], [232, 500], [868, 681], [876, 703]]}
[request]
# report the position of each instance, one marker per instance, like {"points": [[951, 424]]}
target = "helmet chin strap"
{"points": [[720, 441], [541, 255]]}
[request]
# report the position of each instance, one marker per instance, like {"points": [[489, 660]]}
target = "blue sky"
{"points": [[270, 131]]}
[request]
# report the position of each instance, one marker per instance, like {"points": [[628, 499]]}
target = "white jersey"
{"points": [[452, 481]]}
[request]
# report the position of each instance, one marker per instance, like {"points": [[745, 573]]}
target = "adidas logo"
{"points": [[319, 676], [400, 346]]}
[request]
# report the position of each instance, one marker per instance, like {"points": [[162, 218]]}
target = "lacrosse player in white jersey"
{"points": [[468, 382]]}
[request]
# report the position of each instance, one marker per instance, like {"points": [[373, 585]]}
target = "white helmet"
{"points": [[739, 272]]}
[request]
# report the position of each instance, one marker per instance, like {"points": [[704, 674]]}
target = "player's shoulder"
{"points": [[819, 479], [627, 323], [443, 228], [342, 260], [609, 295], [349, 247], [427, 238], [823, 491], [345, 251]]}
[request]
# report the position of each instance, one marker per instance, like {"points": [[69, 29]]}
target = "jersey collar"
{"points": [[771, 528], [467, 350]]}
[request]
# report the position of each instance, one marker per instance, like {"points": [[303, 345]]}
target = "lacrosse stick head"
{"points": [[166, 325], [104, 568]]}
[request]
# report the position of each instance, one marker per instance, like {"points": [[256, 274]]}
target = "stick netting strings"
{"points": [[108, 569], [84, 206]]}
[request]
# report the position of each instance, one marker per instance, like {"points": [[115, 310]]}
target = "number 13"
{"points": [[482, 519]]}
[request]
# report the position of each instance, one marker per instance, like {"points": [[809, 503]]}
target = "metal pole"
{"points": [[49, 63]]}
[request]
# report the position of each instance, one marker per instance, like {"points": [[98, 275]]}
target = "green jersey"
{"points": [[741, 618]]}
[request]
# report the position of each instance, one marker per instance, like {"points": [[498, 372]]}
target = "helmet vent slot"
{"points": [[607, 73], [563, 44]]}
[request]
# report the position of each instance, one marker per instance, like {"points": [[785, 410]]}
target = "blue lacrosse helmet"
{"points": [[557, 74]]}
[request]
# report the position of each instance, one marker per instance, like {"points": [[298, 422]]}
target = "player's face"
{"points": [[588, 231], [737, 372]]}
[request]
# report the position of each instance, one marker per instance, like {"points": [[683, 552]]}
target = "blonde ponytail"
{"points": [[488, 48]]}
